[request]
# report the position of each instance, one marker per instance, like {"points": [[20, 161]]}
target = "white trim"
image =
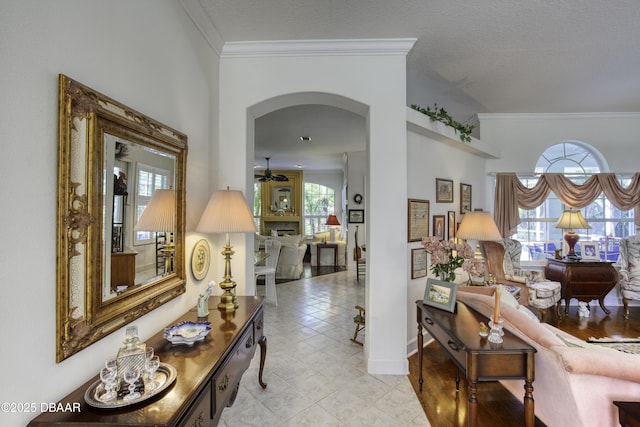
{"points": [[202, 22], [558, 116], [336, 47]]}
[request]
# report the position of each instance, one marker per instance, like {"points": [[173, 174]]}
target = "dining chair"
{"points": [[272, 247]]}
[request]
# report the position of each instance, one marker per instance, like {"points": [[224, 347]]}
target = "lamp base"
{"points": [[572, 238]]}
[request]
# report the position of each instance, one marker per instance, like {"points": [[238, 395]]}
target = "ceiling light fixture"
{"points": [[305, 138]]}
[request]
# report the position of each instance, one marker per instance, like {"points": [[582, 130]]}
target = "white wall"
{"points": [[523, 137], [156, 63], [428, 159], [356, 179], [382, 90]]}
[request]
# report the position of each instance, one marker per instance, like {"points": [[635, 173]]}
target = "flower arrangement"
{"points": [[447, 256]]}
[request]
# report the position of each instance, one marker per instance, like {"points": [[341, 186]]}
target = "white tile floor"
{"points": [[316, 376]]}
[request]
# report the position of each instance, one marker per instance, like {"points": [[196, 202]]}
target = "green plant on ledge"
{"points": [[441, 115]]}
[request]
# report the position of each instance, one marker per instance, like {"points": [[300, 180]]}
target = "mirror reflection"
{"points": [[136, 253], [281, 199]]}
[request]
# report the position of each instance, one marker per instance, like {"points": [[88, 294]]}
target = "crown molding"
{"points": [[336, 47], [202, 22], [557, 116]]}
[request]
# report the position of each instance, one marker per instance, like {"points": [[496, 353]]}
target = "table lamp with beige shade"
{"points": [[160, 216], [568, 221], [227, 212]]}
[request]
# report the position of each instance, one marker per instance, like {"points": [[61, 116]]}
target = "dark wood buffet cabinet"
{"points": [[208, 375], [583, 280]]}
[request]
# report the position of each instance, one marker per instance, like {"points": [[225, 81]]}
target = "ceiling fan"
{"points": [[268, 176]]}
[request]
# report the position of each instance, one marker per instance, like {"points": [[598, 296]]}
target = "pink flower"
{"points": [[447, 256]]}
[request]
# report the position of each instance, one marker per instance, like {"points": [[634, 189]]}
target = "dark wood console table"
{"points": [[208, 375], [479, 359], [583, 280]]}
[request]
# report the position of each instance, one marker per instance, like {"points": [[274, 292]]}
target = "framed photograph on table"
{"points": [[465, 198], [451, 225], [418, 263], [444, 190], [418, 221], [438, 226], [590, 251], [440, 294], [356, 216]]}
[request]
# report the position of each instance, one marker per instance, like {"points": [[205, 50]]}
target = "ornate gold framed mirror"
{"points": [[111, 162]]}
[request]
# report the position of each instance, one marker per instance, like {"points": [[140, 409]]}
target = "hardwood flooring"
{"points": [[497, 407]]}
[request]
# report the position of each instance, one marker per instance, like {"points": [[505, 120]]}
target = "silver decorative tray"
{"points": [[165, 376]]}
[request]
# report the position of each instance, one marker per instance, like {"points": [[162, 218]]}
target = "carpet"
{"points": [[626, 345]]}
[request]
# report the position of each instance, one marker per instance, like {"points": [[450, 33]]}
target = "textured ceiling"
{"points": [[482, 56]]}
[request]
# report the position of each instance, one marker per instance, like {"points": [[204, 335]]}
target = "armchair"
{"points": [[629, 275], [534, 291]]}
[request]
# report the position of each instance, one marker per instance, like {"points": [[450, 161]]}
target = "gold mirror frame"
{"points": [[84, 117]]}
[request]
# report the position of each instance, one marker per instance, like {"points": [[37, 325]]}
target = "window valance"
{"points": [[511, 194]]}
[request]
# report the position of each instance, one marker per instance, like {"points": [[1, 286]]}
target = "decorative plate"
{"points": [[187, 332], [165, 376], [200, 259]]}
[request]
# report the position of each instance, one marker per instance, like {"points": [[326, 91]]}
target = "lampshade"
{"points": [[227, 212], [332, 220], [160, 213], [571, 219], [478, 225]]}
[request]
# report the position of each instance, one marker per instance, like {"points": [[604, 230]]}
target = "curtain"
{"points": [[511, 194]]}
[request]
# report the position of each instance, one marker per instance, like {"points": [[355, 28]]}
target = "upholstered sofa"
{"points": [[575, 382], [292, 250], [326, 255]]}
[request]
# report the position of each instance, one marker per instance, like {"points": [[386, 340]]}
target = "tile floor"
{"points": [[316, 376]]}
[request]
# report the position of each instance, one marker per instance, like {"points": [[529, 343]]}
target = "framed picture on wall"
{"points": [[444, 190], [451, 225], [356, 216], [438, 226], [418, 220], [418, 263], [465, 198]]}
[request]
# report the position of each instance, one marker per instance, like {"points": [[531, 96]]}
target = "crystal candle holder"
{"points": [[496, 332]]}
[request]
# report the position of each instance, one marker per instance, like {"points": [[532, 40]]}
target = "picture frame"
{"points": [[590, 251], [418, 220], [418, 263], [356, 216], [451, 225], [439, 226], [444, 190], [465, 198], [440, 294]]}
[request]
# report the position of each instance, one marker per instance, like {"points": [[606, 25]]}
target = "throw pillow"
{"points": [[319, 237], [507, 299]]}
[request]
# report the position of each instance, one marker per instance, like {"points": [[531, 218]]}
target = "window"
{"points": [[148, 180], [537, 231], [319, 203]]}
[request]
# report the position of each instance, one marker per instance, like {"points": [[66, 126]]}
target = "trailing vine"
{"points": [[441, 115]]}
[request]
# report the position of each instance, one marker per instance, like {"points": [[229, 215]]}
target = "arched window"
{"points": [[319, 203], [578, 161]]}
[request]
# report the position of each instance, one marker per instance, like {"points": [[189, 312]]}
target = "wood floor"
{"points": [[497, 407]]}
